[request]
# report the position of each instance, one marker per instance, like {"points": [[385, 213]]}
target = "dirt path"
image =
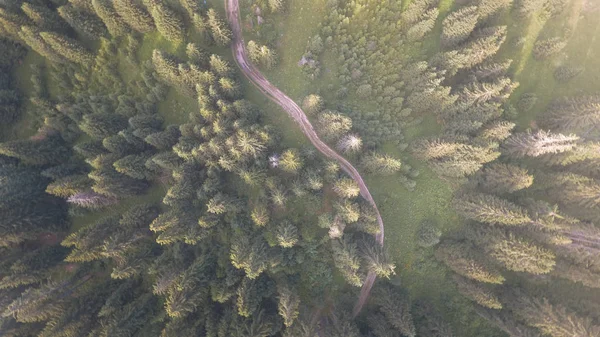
{"points": [[254, 75]]}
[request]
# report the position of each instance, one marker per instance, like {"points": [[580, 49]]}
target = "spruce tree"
{"points": [[135, 15], [491, 210], [534, 144], [168, 22], [578, 114], [459, 25], [505, 178], [113, 21], [83, 22], [68, 48], [219, 29]]}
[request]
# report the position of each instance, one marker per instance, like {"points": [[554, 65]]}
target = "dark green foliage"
{"points": [[102, 125], [50, 150], [428, 234], [83, 22]]}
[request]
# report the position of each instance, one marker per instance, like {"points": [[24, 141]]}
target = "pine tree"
{"points": [[347, 261], [574, 114], [491, 210], [103, 125], [457, 26], [219, 29], [351, 143], [135, 166], [288, 304], [377, 259], [249, 255], [346, 188], [333, 125], [418, 31], [276, 5], [83, 22], [347, 210], [459, 258], [134, 15], [380, 163], [43, 17], [37, 152], [488, 8], [553, 320], [107, 13], [12, 22], [522, 256], [497, 131], [477, 293], [260, 215], [32, 38], [168, 22], [220, 66], [548, 47], [68, 48], [290, 161], [312, 104], [287, 235], [505, 178], [536, 144], [397, 311]]}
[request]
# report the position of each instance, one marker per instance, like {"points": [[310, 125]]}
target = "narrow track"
{"points": [[254, 75]]}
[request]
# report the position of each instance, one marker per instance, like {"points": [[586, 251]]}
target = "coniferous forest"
{"points": [[416, 168]]}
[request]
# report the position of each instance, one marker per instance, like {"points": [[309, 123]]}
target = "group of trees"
{"points": [[248, 240]]}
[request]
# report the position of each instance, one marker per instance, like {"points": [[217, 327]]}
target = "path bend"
{"points": [[295, 112]]}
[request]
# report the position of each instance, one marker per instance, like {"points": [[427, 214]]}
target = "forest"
{"points": [[434, 171]]}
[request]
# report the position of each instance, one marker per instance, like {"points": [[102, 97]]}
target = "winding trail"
{"points": [[295, 112]]}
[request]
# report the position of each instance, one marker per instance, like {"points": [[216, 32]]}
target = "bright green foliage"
{"points": [[377, 259], [276, 5], [290, 161], [288, 304], [249, 254], [219, 29], [491, 210], [312, 104], [459, 25], [522, 256], [346, 188], [134, 15], [333, 125], [349, 211], [69, 186], [262, 55], [168, 22], [113, 21], [382, 164], [287, 235], [68, 48]]}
